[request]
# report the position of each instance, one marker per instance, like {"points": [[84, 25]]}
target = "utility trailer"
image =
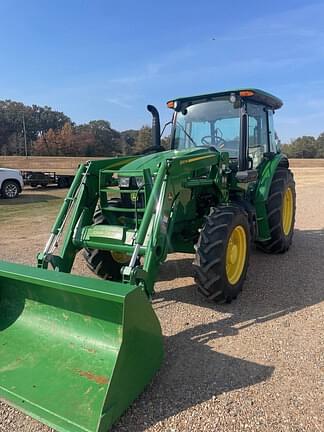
{"points": [[44, 179]]}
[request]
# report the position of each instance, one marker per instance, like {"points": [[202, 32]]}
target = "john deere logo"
{"points": [[133, 196]]}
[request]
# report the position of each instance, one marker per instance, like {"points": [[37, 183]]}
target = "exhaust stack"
{"points": [[156, 128]]}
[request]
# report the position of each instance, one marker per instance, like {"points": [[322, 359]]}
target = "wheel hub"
{"points": [[287, 211], [11, 190], [236, 254], [233, 254], [120, 257]]}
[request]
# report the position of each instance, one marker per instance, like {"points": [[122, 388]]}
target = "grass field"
{"points": [[32, 203]]}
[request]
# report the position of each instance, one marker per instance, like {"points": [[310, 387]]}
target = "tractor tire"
{"points": [[222, 253], [281, 209], [105, 264]]}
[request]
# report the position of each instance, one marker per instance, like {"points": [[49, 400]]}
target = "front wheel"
{"points": [[222, 253], [105, 264]]}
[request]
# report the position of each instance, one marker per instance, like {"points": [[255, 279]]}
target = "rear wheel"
{"points": [[222, 253], [10, 189], [105, 264], [281, 209]]}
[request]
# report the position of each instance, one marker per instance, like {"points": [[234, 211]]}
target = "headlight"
{"points": [[140, 181], [132, 182], [124, 181]]}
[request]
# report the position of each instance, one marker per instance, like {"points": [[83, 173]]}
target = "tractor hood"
{"points": [[153, 161]]}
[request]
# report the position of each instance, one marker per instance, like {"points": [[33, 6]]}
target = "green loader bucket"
{"points": [[74, 351]]}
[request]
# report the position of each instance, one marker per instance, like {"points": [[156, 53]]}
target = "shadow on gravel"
{"points": [[192, 373], [276, 284], [174, 269]]}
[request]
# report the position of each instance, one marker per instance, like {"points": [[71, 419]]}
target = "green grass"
{"points": [[31, 205]]}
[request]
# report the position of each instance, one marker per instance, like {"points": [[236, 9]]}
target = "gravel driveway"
{"points": [[253, 365]]}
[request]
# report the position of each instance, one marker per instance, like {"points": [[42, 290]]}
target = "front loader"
{"points": [[76, 351]]}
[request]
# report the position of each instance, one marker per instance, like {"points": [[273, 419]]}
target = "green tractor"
{"points": [[76, 351]]}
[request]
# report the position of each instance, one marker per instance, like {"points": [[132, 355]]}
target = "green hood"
{"points": [[153, 161]]}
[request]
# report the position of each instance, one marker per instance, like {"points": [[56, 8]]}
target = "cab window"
{"points": [[209, 124], [272, 134]]}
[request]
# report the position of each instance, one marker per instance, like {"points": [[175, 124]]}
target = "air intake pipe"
{"points": [[156, 128]]}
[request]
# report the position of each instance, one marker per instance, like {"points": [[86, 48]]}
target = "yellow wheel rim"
{"points": [[287, 211], [120, 257], [236, 255]]}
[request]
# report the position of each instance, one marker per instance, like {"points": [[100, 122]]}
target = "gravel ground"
{"points": [[253, 365]]}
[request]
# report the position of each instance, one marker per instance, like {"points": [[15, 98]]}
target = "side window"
{"points": [[257, 133], [229, 132], [272, 134]]}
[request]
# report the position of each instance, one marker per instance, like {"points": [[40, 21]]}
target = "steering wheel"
{"points": [[219, 140]]}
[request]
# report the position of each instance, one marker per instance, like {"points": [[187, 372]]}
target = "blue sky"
{"points": [[96, 59]]}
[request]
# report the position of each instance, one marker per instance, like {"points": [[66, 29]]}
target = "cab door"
{"points": [[258, 135]]}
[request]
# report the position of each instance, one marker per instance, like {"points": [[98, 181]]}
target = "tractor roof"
{"points": [[251, 94]]}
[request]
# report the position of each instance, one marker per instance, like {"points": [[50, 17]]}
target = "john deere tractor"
{"points": [[76, 351]]}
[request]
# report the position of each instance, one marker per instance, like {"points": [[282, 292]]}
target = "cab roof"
{"points": [[250, 94]]}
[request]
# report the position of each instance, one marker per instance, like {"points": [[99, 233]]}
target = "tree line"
{"points": [[305, 147], [42, 131]]}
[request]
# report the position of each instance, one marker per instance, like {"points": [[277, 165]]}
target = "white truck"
{"points": [[11, 183]]}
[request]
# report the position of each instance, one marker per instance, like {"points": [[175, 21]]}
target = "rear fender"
{"points": [[262, 193]]}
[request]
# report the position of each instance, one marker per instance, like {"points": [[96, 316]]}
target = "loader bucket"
{"points": [[74, 351]]}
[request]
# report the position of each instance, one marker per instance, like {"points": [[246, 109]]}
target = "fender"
{"points": [[13, 180], [267, 171]]}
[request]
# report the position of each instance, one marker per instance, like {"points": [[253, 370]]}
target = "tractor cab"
{"points": [[239, 122]]}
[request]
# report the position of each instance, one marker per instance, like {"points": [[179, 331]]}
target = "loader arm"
{"points": [[77, 211]]}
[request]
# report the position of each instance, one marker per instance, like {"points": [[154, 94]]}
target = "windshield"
{"points": [[209, 124]]}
